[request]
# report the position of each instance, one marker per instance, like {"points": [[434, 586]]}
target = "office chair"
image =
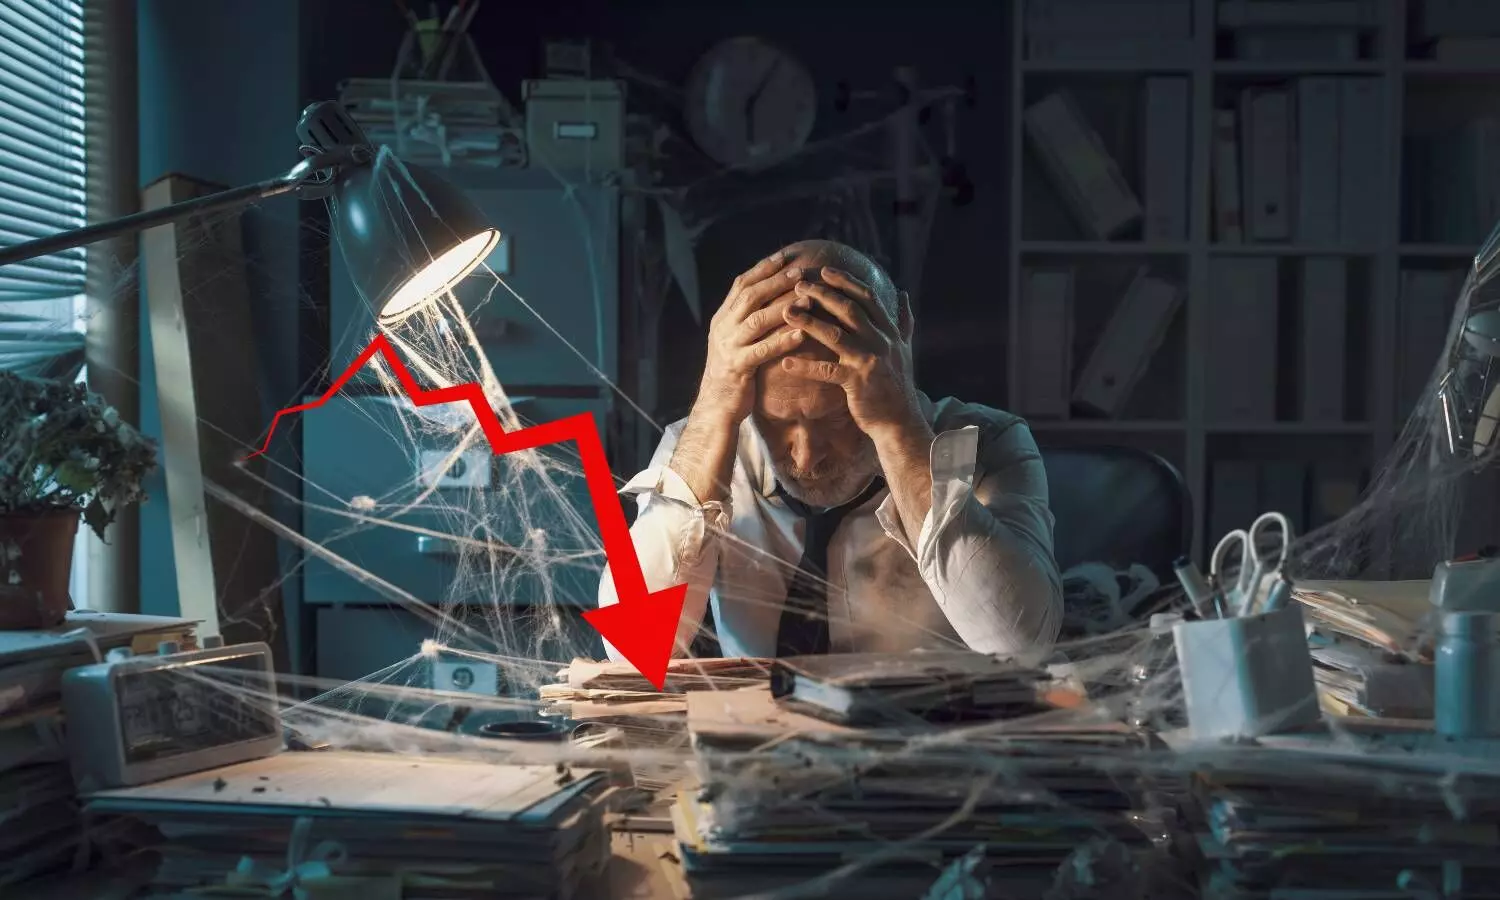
{"points": [[1118, 505]]}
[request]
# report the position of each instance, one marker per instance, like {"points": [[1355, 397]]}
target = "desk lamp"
{"points": [[406, 234], [1468, 394]]}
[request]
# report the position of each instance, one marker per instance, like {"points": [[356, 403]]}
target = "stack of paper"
{"points": [[1320, 822], [440, 122], [884, 688], [1371, 646], [1370, 682], [1390, 615], [787, 798], [40, 829], [389, 826], [615, 706]]}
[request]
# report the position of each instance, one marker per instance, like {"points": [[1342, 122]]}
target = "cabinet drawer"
{"points": [[539, 525], [357, 643], [559, 253]]}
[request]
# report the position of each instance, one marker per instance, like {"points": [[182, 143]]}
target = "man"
{"points": [[814, 501]]}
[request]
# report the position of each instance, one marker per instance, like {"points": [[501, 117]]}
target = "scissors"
{"points": [[1255, 563]]}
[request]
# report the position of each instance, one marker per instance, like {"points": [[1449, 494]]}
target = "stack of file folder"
{"points": [[41, 829], [786, 798], [613, 706], [1372, 646], [380, 825], [885, 688], [437, 122], [1325, 823]]}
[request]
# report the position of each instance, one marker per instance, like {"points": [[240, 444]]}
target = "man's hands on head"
{"points": [[874, 369], [749, 330], [873, 353]]}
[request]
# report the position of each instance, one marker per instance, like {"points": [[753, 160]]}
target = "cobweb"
{"points": [[524, 534]]}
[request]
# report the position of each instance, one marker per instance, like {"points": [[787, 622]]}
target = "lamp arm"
{"points": [[305, 172]]}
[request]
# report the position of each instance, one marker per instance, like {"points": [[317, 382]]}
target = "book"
{"points": [[1075, 159], [1164, 175], [1228, 213], [1045, 368], [891, 688], [1132, 336]]}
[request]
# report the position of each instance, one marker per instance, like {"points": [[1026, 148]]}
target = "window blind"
{"points": [[43, 183]]}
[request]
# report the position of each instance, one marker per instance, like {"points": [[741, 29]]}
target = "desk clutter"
{"points": [[615, 709], [41, 829], [787, 797], [374, 826], [933, 774]]}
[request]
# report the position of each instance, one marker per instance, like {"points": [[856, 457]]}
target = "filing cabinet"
{"points": [[550, 341]]}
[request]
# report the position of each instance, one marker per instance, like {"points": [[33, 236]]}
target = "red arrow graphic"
{"points": [[642, 625]]}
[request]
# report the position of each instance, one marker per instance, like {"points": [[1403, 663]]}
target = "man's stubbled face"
{"points": [[820, 456]]}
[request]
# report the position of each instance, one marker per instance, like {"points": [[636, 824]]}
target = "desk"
{"points": [[643, 866]]}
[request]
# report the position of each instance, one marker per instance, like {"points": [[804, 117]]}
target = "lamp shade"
{"points": [[407, 235]]}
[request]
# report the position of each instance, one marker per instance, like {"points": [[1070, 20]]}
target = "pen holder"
{"points": [[1247, 676]]}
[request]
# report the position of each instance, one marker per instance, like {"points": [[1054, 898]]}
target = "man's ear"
{"points": [[904, 318]]}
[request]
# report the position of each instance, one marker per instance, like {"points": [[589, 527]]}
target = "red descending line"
{"points": [[642, 625]]}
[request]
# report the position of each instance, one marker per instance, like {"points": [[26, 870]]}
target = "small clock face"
{"points": [[749, 103]]}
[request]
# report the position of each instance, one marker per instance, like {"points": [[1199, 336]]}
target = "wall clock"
{"points": [[750, 103]]}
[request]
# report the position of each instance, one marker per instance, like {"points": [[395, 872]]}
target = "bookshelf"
{"points": [[1171, 410]]}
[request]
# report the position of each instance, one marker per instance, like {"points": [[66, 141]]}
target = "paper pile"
{"points": [[40, 830], [1324, 823], [885, 688], [787, 798], [613, 706], [1371, 644], [387, 826], [437, 122]]}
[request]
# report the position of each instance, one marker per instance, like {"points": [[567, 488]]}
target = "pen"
{"points": [[1199, 594], [1280, 593]]}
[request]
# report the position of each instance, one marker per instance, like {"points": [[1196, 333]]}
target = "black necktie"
{"points": [[804, 616]]}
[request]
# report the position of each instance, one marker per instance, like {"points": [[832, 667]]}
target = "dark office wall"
{"points": [[219, 97], [961, 323]]}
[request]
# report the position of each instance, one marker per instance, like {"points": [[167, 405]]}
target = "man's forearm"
{"points": [[704, 456], [905, 454]]}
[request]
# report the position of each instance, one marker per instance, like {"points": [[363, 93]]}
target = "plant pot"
{"points": [[34, 586]]}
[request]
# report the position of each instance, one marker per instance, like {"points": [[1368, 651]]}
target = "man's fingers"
{"points": [[828, 334], [848, 283], [849, 313], [761, 352], [815, 370], [754, 294], [852, 287], [757, 323], [759, 271]]}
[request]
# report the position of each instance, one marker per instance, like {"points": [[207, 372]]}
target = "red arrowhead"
{"points": [[643, 629]]}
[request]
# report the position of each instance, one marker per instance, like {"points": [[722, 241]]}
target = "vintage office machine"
{"points": [[138, 719]]}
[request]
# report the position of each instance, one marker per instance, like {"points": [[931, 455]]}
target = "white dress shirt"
{"points": [[980, 573]]}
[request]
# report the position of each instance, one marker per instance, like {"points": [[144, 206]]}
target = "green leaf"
{"points": [[76, 478]]}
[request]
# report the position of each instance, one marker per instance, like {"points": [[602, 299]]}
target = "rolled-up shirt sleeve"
{"points": [[985, 548], [675, 538]]}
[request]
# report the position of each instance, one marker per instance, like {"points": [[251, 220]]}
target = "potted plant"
{"points": [[64, 453]]}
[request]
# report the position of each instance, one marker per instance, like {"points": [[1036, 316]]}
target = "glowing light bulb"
{"points": [[439, 276]]}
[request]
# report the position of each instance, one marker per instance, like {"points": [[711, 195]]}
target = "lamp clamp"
{"points": [[317, 174]]}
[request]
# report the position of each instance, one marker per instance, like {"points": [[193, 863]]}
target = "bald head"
{"points": [[813, 255]]}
